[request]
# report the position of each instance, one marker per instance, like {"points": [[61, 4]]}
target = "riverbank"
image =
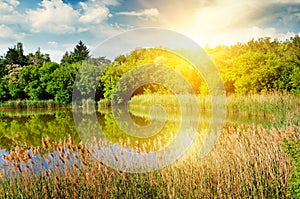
{"points": [[30, 104], [256, 104]]}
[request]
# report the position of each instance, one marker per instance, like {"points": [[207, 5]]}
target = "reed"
{"points": [[29, 104], [246, 162], [252, 104], [104, 103]]}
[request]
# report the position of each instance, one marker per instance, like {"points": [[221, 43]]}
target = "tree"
{"points": [[16, 55], [61, 82], [89, 75], [38, 58], [3, 70], [34, 79], [289, 79], [81, 52], [4, 90]]}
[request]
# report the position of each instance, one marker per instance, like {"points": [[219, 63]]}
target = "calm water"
{"points": [[18, 127]]}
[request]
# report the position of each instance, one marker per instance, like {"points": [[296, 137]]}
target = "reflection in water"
{"points": [[38, 163], [116, 146], [16, 128]]}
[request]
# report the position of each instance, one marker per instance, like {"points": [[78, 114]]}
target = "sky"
{"points": [[56, 26]]}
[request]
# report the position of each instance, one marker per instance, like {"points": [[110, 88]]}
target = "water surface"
{"points": [[18, 127]]}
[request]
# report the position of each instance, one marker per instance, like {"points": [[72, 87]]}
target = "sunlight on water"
{"points": [[16, 128]]}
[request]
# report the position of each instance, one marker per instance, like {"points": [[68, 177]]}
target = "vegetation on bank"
{"points": [[255, 67], [245, 162], [256, 104], [29, 104]]}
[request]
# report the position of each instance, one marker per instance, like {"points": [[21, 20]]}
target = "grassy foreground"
{"points": [[246, 162]]}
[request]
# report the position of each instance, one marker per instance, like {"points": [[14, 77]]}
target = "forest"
{"points": [[258, 66]]}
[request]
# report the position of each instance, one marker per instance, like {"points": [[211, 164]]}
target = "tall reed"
{"points": [[246, 162], [29, 104]]}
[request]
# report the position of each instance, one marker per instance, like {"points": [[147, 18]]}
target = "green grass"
{"points": [[29, 104], [292, 147], [103, 103], [256, 104]]}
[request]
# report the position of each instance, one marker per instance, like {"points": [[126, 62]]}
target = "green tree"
{"points": [[34, 80], [81, 52], [3, 70], [89, 75], [16, 55], [62, 81], [38, 58], [289, 79], [4, 90]]}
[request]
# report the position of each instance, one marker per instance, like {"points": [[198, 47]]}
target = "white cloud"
{"points": [[232, 21], [14, 3], [9, 13], [241, 35], [8, 6], [5, 7], [286, 1], [232, 14], [13, 18], [8, 33], [52, 43], [93, 12], [152, 12], [53, 16], [109, 2]]}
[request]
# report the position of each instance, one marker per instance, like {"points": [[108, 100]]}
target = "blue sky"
{"points": [[57, 25]]}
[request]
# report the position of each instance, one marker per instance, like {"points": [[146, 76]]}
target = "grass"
{"points": [[104, 103], [29, 104], [256, 104], [246, 162], [291, 146]]}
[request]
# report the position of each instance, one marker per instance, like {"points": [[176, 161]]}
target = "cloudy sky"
{"points": [[57, 25]]}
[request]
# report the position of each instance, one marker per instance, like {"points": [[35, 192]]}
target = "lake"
{"points": [[30, 126]]}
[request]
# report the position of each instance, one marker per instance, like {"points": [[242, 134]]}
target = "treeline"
{"points": [[261, 65], [35, 77]]}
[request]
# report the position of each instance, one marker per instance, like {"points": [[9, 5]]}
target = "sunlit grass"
{"points": [[256, 104], [245, 162]]}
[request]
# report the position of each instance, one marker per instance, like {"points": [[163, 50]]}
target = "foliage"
{"points": [[80, 53], [259, 66], [16, 55], [61, 82], [294, 184], [34, 79], [145, 65], [88, 78], [38, 58]]}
